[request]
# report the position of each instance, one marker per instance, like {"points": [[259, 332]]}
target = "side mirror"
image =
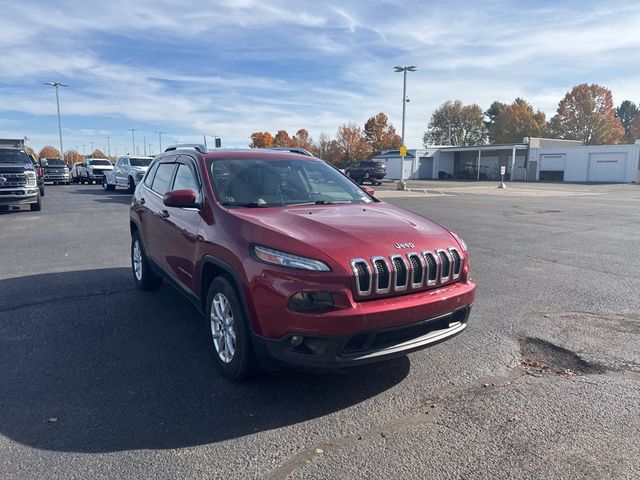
{"points": [[180, 199], [44, 162], [369, 190]]}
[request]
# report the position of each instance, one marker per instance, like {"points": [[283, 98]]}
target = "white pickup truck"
{"points": [[127, 173]]}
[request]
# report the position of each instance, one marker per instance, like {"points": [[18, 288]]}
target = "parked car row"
{"points": [[91, 170]]}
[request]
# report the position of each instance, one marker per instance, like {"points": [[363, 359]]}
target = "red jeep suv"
{"points": [[292, 263]]}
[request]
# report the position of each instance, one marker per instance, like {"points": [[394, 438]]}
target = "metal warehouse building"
{"points": [[536, 159]]}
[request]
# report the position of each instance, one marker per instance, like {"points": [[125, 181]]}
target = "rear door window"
{"points": [[162, 179]]}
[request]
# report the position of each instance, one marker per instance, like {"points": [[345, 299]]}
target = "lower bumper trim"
{"points": [[335, 352]]}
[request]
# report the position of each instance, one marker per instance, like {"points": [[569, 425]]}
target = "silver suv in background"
{"points": [[127, 173]]}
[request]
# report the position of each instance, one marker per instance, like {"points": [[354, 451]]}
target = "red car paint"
{"points": [[180, 241]]}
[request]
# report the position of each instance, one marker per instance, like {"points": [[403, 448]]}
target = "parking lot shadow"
{"points": [[88, 364], [102, 196]]}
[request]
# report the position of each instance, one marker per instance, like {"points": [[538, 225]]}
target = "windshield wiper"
{"points": [[321, 202], [246, 204]]}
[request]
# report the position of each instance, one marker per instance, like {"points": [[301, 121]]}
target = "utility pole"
{"points": [[56, 85], [404, 70], [159, 140], [108, 148], [133, 139], [92, 150], [144, 145]]}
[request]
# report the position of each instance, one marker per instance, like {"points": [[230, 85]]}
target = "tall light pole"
{"points": [[404, 70], [56, 85], [133, 139], [159, 140], [108, 148], [144, 144]]}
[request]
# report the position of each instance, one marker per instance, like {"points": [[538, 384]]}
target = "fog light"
{"points": [[296, 341], [311, 301]]}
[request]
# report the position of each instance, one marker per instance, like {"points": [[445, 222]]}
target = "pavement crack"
{"points": [[63, 298], [428, 415]]}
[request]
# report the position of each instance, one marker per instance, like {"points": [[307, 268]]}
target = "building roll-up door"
{"points": [[607, 167], [552, 167]]}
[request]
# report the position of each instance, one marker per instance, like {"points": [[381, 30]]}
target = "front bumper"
{"points": [[56, 177], [18, 196], [341, 351]]}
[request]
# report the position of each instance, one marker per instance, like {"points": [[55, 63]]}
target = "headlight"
{"points": [[283, 259], [31, 179]]}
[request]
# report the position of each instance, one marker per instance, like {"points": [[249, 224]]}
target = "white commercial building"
{"points": [[533, 160]]}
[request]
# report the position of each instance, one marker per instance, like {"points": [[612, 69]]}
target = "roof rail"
{"points": [[195, 146], [301, 151]]}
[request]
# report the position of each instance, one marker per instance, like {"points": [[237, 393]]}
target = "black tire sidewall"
{"points": [[150, 279], [243, 364]]}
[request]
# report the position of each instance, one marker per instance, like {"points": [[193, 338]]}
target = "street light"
{"points": [[56, 85], [404, 70]]}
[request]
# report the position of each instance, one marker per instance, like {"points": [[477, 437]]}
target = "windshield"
{"points": [[55, 162], [140, 162], [98, 162], [277, 183], [13, 156]]}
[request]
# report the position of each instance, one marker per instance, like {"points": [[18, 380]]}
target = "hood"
{"points": [[139, 169], [344, 232]]}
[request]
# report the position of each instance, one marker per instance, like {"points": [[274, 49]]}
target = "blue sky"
{"points": [[229, 68]]}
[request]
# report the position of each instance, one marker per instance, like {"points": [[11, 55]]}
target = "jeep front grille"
{"points": [[397, 273]]}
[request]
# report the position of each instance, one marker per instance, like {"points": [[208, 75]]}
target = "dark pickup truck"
{"points": [[55, 170], [18, 179]]}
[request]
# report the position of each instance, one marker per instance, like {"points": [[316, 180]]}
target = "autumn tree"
{"points": [[72, 156], [628, 112], [302, 139], [97, 153], [492, 113], [352, 144], [516, 121], [380, 134], [261, 140], [587, 113], [635, 129], [32, 152], [282, 139], [49, 152], [465, 122]]}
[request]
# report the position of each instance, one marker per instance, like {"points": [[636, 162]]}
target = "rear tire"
{"points": [[228, 329], [143, 276], [106, 185]]}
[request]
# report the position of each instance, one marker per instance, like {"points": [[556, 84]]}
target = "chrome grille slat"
{"points": [[456, 267], [362, 272], [397, 261], [445, 265], [414, 270], [381, 274]]}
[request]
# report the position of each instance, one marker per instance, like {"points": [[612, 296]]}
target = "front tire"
{"points": [[143, 276], [229, 332], [132, 185], [36, 207], [106, 185]]}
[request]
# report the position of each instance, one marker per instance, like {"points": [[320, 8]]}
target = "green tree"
{"points": [[492, 113], [380, 134], [516, 121], [587, 113], [628, 112], [466, 123]]}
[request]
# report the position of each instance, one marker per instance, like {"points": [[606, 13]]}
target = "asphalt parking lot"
{"points": [[99, 380]]}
